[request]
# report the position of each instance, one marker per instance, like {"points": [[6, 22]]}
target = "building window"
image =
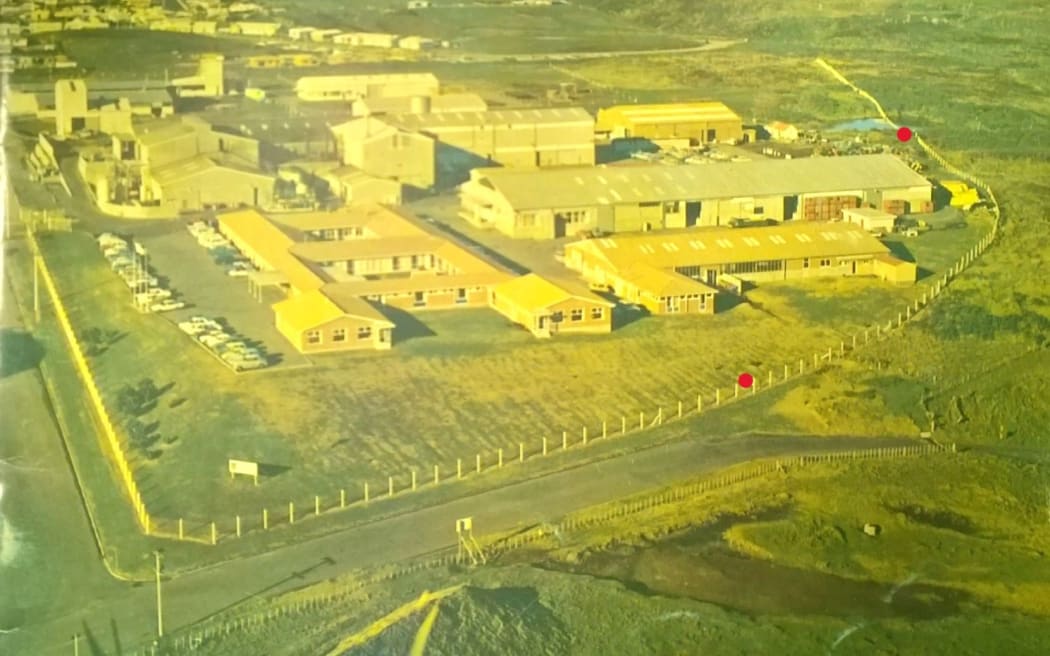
{"points": [[526, 219], [558, 317], [313, 336], [703, 301], [576, 314], [760, 266], [339, 334], [805, 263], [759, 209], [825, 263], [364, 332], [461, 295], [597, 312], [671, 305], [419, 299], [328, 235], [711, 135]]}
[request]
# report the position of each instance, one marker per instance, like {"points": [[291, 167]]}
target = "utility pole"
{"points": [[160, 613], [76, 644]]}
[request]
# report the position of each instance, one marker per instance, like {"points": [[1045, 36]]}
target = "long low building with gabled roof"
{"points": [[704, 255], [544, 204]]}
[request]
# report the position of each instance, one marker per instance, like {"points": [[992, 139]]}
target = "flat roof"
{"points": [[589, 186], [668, 249], [454, 119]]}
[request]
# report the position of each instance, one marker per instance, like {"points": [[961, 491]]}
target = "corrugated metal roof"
{"points": [[380, 220], [691, 112], [420, 283], [712, 246], [186, 169], [528, 189], [356, 249], [538, 116], [662, 283]]}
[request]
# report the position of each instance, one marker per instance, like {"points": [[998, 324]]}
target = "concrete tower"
{"points": [[71, 106], [211, 73]]}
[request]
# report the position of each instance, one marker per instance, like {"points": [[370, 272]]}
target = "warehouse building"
{"points": [[546, 307], [441, 104], [699, 122], [544, 204], [529, 138], [385, 151], [353, 87], [789, 251]]}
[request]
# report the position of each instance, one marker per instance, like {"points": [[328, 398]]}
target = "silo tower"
{"points": [[211, 72]]}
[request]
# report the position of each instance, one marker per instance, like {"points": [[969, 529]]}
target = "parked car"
{"points": [[191, 328], [167, 305], [151, 296], [120, 262], [115, 250], [140, 249], [213, 339], [239, 269], [208, 324]]}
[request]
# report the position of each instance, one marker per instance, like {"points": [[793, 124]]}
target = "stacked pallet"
{"points": [[895, 207], [827, 208]]}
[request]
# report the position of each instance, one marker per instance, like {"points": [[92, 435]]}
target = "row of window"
{"points": [[577, 314], [335, 234], [673, 304], [754, 267], [338, 335], [825, 262]]}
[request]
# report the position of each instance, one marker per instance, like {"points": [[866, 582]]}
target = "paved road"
{"points": [[194, 596], [474, 58]]}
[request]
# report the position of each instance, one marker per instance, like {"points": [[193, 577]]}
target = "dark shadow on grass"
{"points": [[269, 470], [116, 636], [484, 251], [725, 301], [625, 315], [900, 250], [93, 648], [406, 325], [922, 273], [19, 351]]}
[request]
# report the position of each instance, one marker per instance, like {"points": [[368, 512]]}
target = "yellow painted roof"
{"points": [[662, 283], [710, 246], [272, 245], [314, 308], [687, 112], [534, 292], [955, 186]]}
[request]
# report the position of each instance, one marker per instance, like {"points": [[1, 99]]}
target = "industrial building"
{"points": [[545, 137], [870, 219], [441, 104], [385, 151], [353, 87], [789, 251], [75, 108], [699, 122], [546, 307], [209, 82], [544, 204], [340, 268]]}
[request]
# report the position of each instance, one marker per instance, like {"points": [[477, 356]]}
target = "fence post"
{"points": [[679, 409], [865, 335], [641, 420], [317, 505], [238, 526], [390, 486], [366, 494], [736, 390], [459, 468], [342, 498], [214, 534], [605, 431], [718, 395], [437, 475], [499, 458], [900, 320], [842, 348], [180, 528], [585, 436], [477, 463], [521, 452], [545, 446], [266, 519], [801, 366], [564, 440], [623, 425], [413, 480], [291, 512], [771, 378], [816, 360]]}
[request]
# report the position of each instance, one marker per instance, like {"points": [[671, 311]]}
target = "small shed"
{"points": [[780, 131], [869, 218], [892, 269]]}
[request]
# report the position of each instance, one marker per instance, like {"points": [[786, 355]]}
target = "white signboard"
{"points": [[246, 468]]}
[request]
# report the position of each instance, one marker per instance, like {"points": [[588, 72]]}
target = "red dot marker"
{"points": [[745, 380], [903, 134]]}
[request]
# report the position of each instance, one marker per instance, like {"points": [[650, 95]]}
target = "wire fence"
{"points": [[195, 637]]}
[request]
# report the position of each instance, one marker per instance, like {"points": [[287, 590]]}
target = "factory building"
{"points": [[76, 108], [545, 204], [209, 82], [354, 87], [699, 122], [547, 307], [441, 104], [385, 151], [789, 251], [548, 137]]}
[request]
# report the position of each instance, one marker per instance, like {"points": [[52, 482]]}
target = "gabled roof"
{"points": [[356, 249], [687, 112], [436, 122], [568, 187], [194, 167], [271, 244], [709, 246], [534, 292], [314, 308], [662, 283]]}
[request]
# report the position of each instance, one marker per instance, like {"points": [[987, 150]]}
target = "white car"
{"points": [[140, 249], [199, 228], [191, 328], [120, 262], [116, 250], [152, 296], [108, 240], [208, 324], [167, 305], [214, 339]]}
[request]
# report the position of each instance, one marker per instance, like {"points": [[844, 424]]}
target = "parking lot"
{"points": [[176, 257]]}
